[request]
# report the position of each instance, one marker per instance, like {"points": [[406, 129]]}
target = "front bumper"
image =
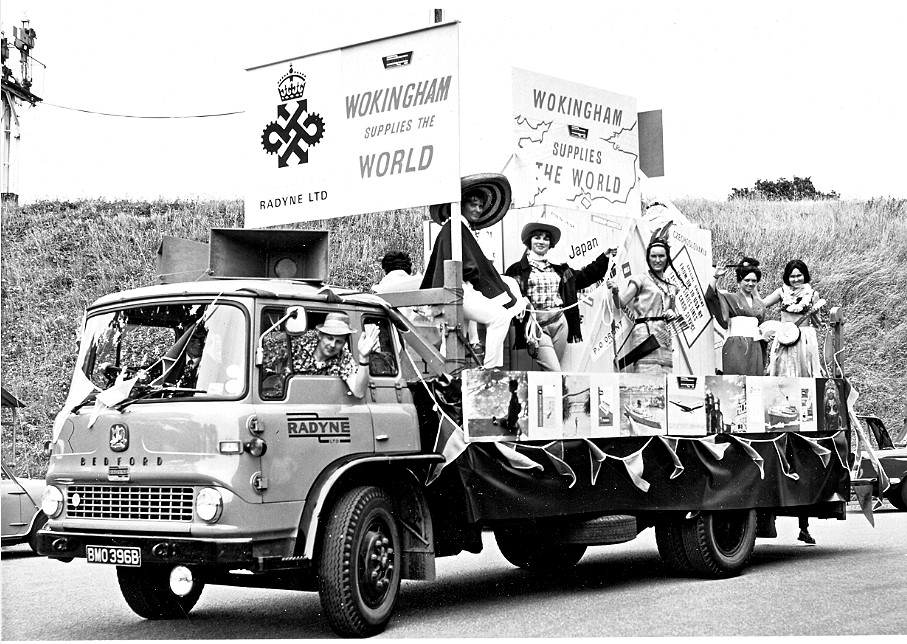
{"points": [[157, 549]]}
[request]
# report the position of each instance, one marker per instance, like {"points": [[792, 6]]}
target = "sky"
{"points": [[755, 90]]}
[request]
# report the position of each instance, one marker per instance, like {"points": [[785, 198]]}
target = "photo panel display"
{"points": [[642, 405], [789, 404], [831, 405], [545, 405], [605, 403], [725, 404], [495, 405], [577, 405], [686, 405]]}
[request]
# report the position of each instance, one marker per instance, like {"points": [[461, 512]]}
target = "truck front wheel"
{"points": [[711, 544], [359, 569], [147, 591], [536, 555]]}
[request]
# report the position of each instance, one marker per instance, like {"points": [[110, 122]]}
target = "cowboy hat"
{"points": [[335, 324], [495, 188], [553, 232]]}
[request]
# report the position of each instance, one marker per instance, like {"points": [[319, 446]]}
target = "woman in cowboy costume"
{"points": [[551, 289]]}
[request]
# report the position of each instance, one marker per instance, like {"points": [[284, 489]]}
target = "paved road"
{"points": [[851, 583]]}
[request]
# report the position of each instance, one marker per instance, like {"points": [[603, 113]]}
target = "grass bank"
{"points": [[58, 257]]}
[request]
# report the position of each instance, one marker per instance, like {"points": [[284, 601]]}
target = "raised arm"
{"points": [[358, 380]]}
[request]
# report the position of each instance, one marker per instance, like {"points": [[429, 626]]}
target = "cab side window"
{"points": [[278, 349], [383, 360]]}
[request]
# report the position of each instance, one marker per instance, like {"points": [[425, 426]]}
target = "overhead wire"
{"points": [[136, 116]]}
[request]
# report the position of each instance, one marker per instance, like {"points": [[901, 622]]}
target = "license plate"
{"points": [[115, 555]]}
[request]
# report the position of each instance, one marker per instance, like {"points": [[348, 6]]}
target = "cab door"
{"points": [[394, 418], [307, 422]]}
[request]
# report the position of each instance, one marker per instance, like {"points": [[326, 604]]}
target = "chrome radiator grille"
{"points": [[129, 502]]}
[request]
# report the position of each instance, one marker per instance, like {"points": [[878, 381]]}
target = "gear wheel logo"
{"points": [[293, 133]]}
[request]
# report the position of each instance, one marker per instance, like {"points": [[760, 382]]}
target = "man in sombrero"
{"points": [[487, 299]]}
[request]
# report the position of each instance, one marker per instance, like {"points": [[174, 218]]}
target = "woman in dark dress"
{"points": [[741, 312]]}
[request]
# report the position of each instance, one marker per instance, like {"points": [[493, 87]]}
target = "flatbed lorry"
{"points": [[251, 474]]}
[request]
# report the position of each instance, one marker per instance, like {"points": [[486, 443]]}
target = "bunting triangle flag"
{"points": [[864, 498]]}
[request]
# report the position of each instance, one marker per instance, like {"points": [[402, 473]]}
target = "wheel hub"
{"points": [[376, 564]]}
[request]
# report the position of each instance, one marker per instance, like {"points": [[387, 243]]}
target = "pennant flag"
{"points": [[517, 460], [864, 498], [671, 444], [751, 452], [596, 458], [823, 453], [634, 465], [717, 449], [555, 453], [780, 449], [450, 443]]}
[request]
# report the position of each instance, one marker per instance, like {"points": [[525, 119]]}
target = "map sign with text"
{"points": [[365, 128], [574, 146]]}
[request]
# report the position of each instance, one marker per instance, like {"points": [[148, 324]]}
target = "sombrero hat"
{"points": [[496, 190], [553, 232]]}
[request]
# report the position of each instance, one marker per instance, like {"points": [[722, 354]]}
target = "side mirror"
{"points": [[48, 448], [295, 323]]}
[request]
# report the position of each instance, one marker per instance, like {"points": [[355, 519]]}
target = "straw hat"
{"points": [[335, 324], [553, 232], [498, 196]]}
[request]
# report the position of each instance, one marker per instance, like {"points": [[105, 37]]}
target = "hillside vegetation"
{"points": [[58, 257]]}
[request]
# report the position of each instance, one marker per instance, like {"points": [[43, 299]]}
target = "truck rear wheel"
{"points": [[898, 496], [669, 537], [715, 544], [147, 591], [530, 553], [359, 569]]}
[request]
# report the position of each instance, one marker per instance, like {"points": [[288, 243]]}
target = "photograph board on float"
{"points": [[686, 405], [577, 405], [725, 404], [831, 404], [546, 416], [642, 405], [494, 405], [789, 404], [605, 403]]}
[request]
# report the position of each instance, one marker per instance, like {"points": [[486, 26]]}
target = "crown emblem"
{"points": [[291, 85]]}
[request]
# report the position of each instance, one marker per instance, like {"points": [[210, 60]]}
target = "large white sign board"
{"points": [[574, 146], [365, 128]]}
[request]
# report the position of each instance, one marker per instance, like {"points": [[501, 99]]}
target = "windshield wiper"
{"points": [[90, 398], [148, 394]]}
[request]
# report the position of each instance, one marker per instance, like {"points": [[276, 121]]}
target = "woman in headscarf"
{"points": [[650, 300], [741, 312], [551, 289]]}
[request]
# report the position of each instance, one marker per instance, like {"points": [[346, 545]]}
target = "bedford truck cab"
{"points": [[191, 444]]}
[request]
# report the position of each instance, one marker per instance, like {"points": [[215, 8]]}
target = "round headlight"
{"points": [[209, 504], [52, 501]]}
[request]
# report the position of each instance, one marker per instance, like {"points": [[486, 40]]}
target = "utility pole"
{"points": [[15, 90]]}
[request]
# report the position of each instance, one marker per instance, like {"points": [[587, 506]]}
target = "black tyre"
{"points": [[898, 496], [147, 591], [536, 555], [359, 570], [40, 522], [669, 537], [718, 544]]}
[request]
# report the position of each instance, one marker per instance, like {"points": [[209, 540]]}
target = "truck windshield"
{"points": [[169, 350]]}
